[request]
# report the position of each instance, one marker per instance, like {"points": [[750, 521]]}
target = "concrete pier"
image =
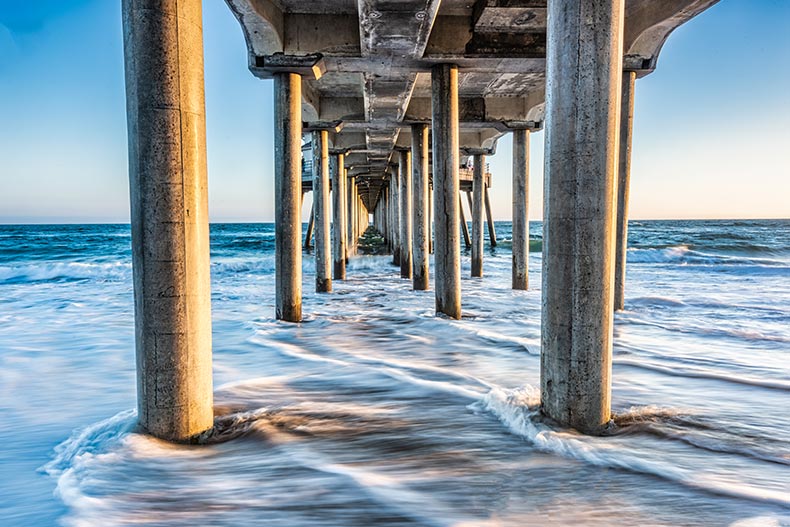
{"points": [[478, 189], [444, 103], [584, 69], [420, 212], [344, 218], [323, 252], [489, 219], [169, 216], [351, 196], [338, 217], [406, 209], [520, 235], [308, 235], [623, 186], [287, 189], [395, 203], [464, 225]]}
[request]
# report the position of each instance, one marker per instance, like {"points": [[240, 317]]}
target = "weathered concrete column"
{"points": [[431, 226], [520, 212], [464, 226], [345, 213], [308, 236], [169, 216], [490, 219], [405, 214], [396, 215], [421, 206], [350, 200], [478, 189], [444, 103], [323, 252], [338, 217], [623, 186], [584, 68]]}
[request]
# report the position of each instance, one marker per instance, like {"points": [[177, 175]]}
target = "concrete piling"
{"points": [[444, 104], [350, 201], [308, 236], [287, 190], [169, 216], [520, 235], [323, 252], [478, 186], [395, 214], [420, 211], [405, 214], [338, 217], [584, 68], [489, 219], [464, 226], [623, 186]]}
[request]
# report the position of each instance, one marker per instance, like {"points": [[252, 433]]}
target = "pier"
{"points": [[380, 107]]}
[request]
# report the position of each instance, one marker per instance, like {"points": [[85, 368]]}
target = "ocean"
{"points": [[373, 411]]}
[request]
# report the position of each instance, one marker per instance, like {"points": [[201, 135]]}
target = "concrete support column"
{"points": [[308, 236], [520, 209], [338, 218], [323, 252], [169, 216], [444, 103], [345, 219], [350, 197], [464, 226], [396, 215], [623, 186], [478, 190], [421, 206], [584, 69], [405, 214], [490, 219], [352, 214]]}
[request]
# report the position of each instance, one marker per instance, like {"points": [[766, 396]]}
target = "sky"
{"points": [[711, 127]]}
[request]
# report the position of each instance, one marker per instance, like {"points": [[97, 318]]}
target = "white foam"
{"points": [[516, 409]]}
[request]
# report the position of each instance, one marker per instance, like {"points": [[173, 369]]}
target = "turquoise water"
{"points": [[375, 412]]}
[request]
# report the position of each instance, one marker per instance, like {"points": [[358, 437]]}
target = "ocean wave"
{"points": [[65, 271], [519, 411], [684, 254], [697, 373]]}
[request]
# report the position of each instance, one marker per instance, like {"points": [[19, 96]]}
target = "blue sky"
{"points": [[711, 132]]}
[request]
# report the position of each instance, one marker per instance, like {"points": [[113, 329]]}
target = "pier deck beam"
{"points": [[338, 217], [444, 104], [478, 190], [520, 209], [169, 216], [323, 251], [584, 70], [421, 206], [405, 215], [623, 186]]}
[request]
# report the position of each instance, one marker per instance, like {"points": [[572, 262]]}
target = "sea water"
{"points": [[374, 411]]}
